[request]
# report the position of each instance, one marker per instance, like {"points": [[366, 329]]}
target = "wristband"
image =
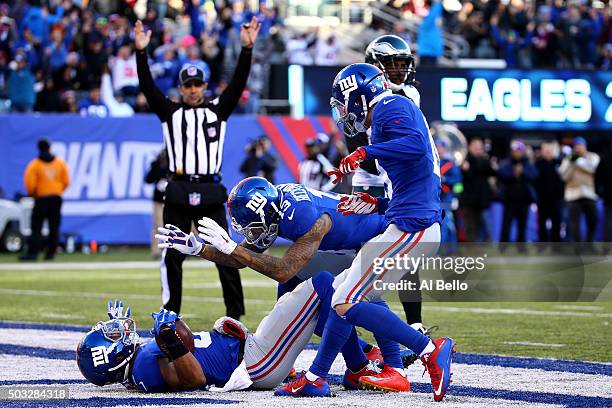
{"points": [[171, 344]]}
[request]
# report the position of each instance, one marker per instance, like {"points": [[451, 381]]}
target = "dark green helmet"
{"points": [[393, 56]]}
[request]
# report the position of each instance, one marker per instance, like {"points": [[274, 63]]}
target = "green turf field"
{"points": [[78, 296]]}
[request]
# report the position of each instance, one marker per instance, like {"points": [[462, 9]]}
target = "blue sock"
{"points": [[322, 283], [353, 354], [384, 322], [389, 349], [336, 333]]}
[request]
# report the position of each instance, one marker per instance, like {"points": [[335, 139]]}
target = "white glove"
{"points": [[172, 237], [231, 327], [212, 233]]}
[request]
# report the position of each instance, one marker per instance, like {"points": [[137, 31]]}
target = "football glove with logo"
{"points": [[231, 327], [215, 235], [359, 203], [172, 237], [348, 164], [165, 318], [116, 311]]}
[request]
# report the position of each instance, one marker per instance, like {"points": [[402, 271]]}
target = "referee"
{"points": [[194, 133]]}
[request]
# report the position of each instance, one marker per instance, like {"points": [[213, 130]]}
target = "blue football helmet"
{"points": [[356, 88], [104, 354], [254, 208]]}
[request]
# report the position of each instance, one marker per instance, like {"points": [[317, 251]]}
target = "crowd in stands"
{"points": [[525, 33]]}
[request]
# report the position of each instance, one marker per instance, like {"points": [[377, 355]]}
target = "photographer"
{"points": [[578, 171]]}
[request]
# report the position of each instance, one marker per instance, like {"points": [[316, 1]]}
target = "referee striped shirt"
{"points": [[194, 135]]}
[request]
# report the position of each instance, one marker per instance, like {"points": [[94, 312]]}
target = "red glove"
{"points": [[359, 203], [351, 162], [347, 165]]}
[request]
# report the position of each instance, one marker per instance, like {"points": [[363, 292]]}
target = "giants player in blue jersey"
{"points": [[403, 146], [227, 357], [261, 212]]}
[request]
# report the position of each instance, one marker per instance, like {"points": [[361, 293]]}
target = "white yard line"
{"points": [[578, 307], [530, 343], [75, 266]]}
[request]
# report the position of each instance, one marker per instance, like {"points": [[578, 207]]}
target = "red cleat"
{"points": [[388, 380], [438, 364], [351, 379]]}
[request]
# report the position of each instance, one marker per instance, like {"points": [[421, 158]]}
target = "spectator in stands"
{"points": [[21, 86], [141, 105], [577, 170], [270, 161], [549, 188], [298, 48], [430, 42], [516, 176], [125, 78], [114, 101], [511, 43], [71, 75], [477, 193], [314, 168], [327, 50], [48, 99], [166, 70], [93, 105], [46, 178], [70, 104], [56, 52], [544, 45]]}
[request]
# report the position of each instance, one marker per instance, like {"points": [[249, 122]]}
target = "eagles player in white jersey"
{"points": [[393, 56]]}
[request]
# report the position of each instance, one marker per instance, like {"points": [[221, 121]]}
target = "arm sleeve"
{"points": [[106, 93], [229, 98], [156, 99]]}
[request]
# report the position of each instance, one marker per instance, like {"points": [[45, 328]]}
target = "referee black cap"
{"points": [[191, 73]]}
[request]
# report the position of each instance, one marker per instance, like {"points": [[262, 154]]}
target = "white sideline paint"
{"points": [[79, 266], [50, 293], [578, 307], [530, 343], [519, 311]]}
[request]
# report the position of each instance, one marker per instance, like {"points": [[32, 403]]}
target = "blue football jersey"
{"points": [[302, 207], [217, 354], [404, 148], [146, 374]]}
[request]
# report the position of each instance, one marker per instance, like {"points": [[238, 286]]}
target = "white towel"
{"points": [[239, 380]]}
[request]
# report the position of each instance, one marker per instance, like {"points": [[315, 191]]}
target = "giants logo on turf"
{"points": [[100, 355], [257, 203], [347, 85]]}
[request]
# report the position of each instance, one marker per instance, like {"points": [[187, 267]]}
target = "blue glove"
{"points": [[163, 319], [116, 311]]}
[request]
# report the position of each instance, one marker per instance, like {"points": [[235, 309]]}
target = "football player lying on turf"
{"points": [[261, 211], [227, 357]]}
